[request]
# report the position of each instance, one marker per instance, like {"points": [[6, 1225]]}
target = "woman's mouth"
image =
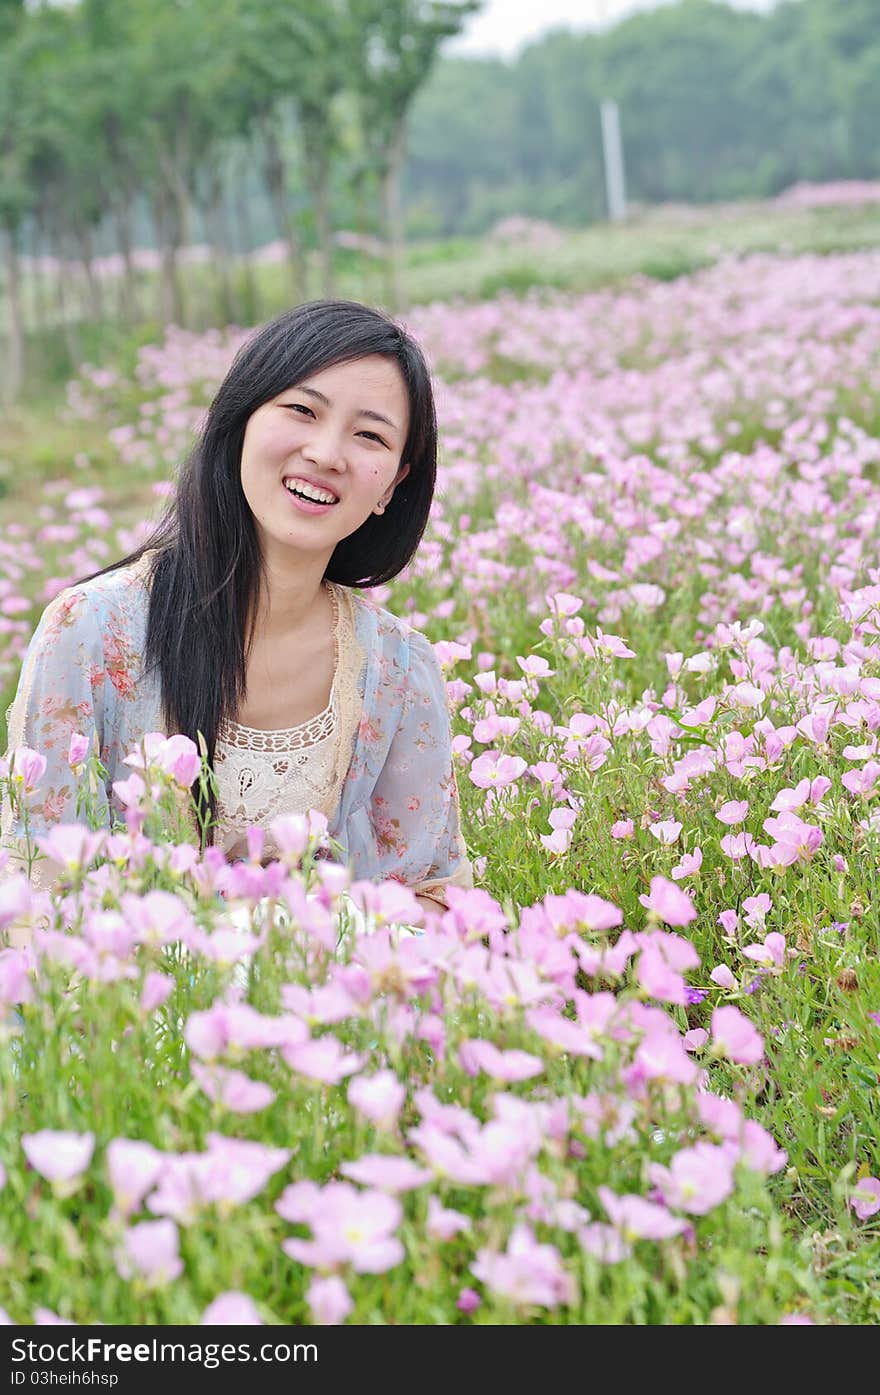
{"points": [[310, 498]]}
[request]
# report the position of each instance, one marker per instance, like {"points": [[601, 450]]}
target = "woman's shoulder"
{"points": [[395, 642], [390, 630], [124, 590]]}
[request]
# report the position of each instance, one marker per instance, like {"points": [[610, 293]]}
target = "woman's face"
{"points": [[320, 457]]}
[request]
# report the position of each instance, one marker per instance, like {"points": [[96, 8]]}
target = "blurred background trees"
{"points": [[200, 129]]}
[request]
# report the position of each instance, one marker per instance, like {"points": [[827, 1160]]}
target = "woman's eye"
{"points": [[299, 407], [372, 436]]}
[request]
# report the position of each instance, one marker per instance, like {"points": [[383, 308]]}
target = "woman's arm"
{"points": [[60, 693], [414, 807]]}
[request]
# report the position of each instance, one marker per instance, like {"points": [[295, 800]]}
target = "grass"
{"points": [[656, 243]]}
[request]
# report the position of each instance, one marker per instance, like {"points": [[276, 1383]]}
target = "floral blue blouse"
{"points": [[392, 803]]}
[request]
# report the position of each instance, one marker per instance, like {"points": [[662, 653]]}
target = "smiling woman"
{"points": [[237, 618]]}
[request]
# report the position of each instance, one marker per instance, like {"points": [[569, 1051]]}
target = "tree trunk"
{"points": [[127, 289], [64, 310], [318, 178], [170, 291], [94, 297], [393, 219], [245, 240], [217, 233], [14, 375], [276, 183], [174, 167], [39, 308], [121, 213]]}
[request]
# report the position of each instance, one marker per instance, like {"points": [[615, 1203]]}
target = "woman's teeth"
{"points": [[310, 492]]}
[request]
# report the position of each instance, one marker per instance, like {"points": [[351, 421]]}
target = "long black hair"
{"points": [[206, 577]]}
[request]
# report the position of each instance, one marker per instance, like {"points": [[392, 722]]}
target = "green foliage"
{"points": [[715, 104]]}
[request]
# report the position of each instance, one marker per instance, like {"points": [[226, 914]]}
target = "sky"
{"points": [[505, 26]]}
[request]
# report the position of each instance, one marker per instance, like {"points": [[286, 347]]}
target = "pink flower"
{"points": [[388, 902], [468, 1301], [746, 695], [668, 903], [179, 758], [144, 752], [756, 908], [695, 1039], [442, 1223], [770, 954], [722, 975], [734, 811], [476, 1055], [528, 1273], [728, 920], [378, 1097], [562, 1033], [582, 910], [700, 715], [662, 1056], [788, 800], [606, 647], [151, 1250], [16, 985], [563, 604], [78, 750], [494, 770], [229, 1027], [791, 832], [862, 781], [133, 1168], [665, 831], [329, 1301], [673, 663], [637, 1219], [156, 990], [865, 1200], [623, 828], [387, 1172], [758, 1149], [658, 979], [130, 792], [232, 1089], [735, 1037], [558, 842], [290, 833], [697, 1179], [604, 1242], [535, 666], [322, 1059], [28, 768], [231, 1309], [58, 1156], [349, 1227], [230, 1173], [737, 845], [689, 865]]}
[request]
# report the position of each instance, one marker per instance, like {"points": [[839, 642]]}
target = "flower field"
{"points": [[633, 1077]]}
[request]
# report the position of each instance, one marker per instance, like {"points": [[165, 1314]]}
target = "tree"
{"points": [[399, 43], [296, 59]]}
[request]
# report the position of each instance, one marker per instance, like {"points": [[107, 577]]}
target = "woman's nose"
{"points": [[324, 446]]}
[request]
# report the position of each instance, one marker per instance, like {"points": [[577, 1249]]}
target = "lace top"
{"points": [[261, 774]]}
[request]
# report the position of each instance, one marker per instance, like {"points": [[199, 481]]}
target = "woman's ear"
{"points": [[401, 475]]}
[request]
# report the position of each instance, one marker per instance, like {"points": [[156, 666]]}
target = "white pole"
{"points": [[612, 154]]}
